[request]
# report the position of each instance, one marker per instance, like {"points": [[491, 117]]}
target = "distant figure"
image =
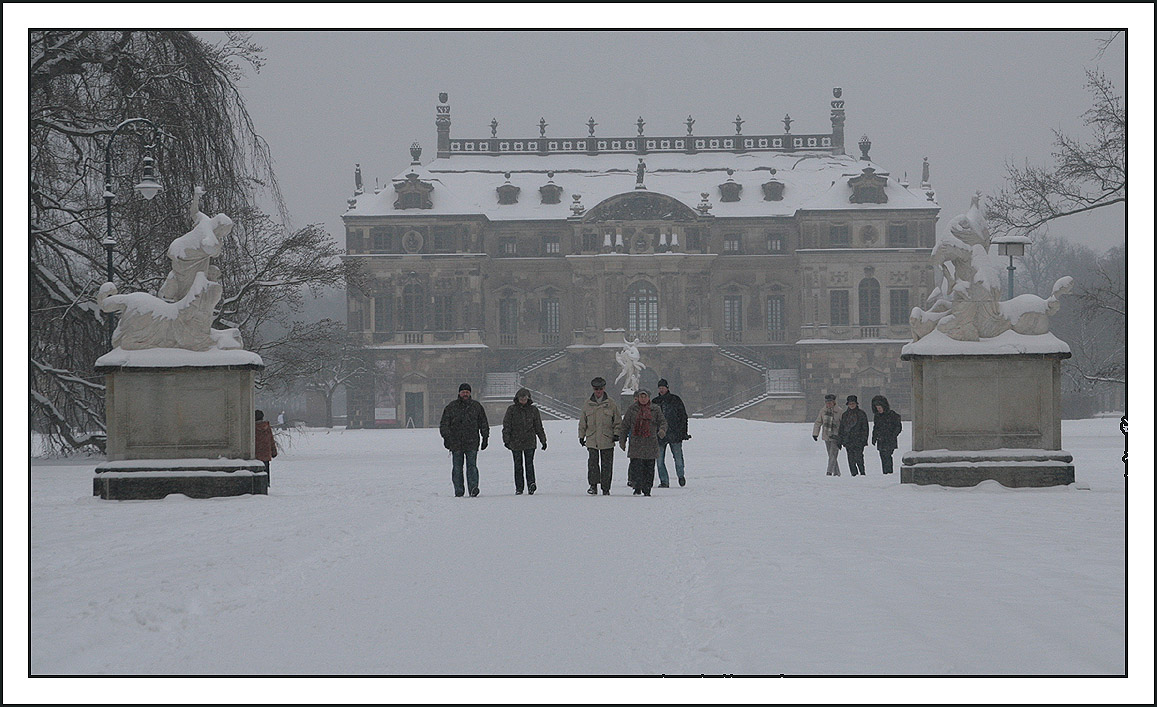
{"points": [[827, 425], [886, 429], [281, 419], [676, 414], [520, 427], [853, 435], [598, 430], [264, 448], [463, 423], [643, 426]]}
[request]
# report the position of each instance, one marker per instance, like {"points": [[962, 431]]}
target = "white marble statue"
{"points": [[967, 305], [630, 364], [182, 316]]}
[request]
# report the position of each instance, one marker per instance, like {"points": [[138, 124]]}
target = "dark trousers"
{"points": [[886, 460], [519, 456], [641, 474], [469, 459], [856, 459], [266, 462], [600, 463]]}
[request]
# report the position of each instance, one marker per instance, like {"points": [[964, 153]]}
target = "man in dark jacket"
{"points": [[463, 422], [886, 428], [676, 416], [853, 435], [521, 425]]}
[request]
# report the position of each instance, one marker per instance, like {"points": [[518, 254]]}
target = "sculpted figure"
{"points": [[182, 317], [630, 364]]}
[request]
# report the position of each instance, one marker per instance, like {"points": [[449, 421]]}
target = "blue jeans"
{"points": [[470, 456], [676, 454]]}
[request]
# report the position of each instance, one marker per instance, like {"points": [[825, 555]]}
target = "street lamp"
{"points": [[1012, 246], [148, 188]]}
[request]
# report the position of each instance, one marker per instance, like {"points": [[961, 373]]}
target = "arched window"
{"points": [[413, 308], [642, 307], [869, 301]]}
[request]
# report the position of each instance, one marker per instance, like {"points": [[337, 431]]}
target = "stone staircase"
{"points": [[777, 383], [504, 385]]}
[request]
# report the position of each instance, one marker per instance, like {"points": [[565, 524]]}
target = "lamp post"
{"points": [[1011, 246], [148, 188]]}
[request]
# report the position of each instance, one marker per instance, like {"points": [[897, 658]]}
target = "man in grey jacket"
{"points": [[827, 425], [598, 430]]}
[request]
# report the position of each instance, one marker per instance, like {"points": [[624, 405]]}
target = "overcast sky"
{"points": [[969, 101]]}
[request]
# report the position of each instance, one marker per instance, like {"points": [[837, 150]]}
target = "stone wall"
{"points": [[860, 369]]}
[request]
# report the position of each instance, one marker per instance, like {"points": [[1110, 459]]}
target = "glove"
{"points": [[687, 437], [485, 441], [582, 442], [544, 446], [815, 438], [504, 444]]}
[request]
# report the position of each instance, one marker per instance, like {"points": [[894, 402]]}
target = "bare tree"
{"points": [[1085, 175], [82, 85]]}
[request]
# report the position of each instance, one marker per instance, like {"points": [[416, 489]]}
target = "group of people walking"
{"points": [[645, 431], [848, 428]]}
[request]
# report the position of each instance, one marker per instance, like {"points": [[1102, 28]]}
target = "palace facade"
{"points": [[756, 271]]}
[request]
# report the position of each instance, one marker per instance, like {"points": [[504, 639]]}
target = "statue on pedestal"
{"points": [[630, 364]]}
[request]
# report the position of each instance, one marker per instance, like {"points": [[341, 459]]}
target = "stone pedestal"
{"points": [[980, 413], [184, 428]]}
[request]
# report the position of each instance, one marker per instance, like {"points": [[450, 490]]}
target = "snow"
{"points": [[221, 462], [466, 183], [937, 343], [361, 561], [177, 358]]}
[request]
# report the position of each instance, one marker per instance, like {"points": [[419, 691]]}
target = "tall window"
{"points": [[507, 246], [413, 308], [869, 301], [550, 245], [590, 241], [643, 307], [549, 323], [839, 235], [443, 312], [775, 242], [733, 313], [840, 309], [775, 319], [508, 321], [898, 308], [380, 239], [383, 313], [732, 244], [444, 239]]}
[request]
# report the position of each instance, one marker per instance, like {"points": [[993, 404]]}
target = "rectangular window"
{"points": [[383, 313], [443, 312], [694, 242], [898, 307], [550, 245], [898, 235], [775, 318], [775, 242], [590, 242], [354, 240], [507, 321], [839, 235], [733, 313], [507, 246], [444, 239], [380, 240], [840, 308], [732, 244], [549, 324]]}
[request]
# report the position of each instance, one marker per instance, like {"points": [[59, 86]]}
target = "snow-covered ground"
{"points": [[361, 561]]}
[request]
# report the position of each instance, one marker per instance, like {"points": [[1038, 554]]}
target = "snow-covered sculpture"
{"points": [[967, 305], [182, 316], [630, 364]]}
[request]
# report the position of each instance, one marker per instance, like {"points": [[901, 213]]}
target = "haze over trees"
{"points": [[82, 84]]}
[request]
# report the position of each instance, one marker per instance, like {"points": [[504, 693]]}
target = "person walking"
{"points": [[264, 448], [853, 435], [463, 425], [827, 427], [598, 430], [521, 425], [676, 415], [643, 425], [886, 427]]}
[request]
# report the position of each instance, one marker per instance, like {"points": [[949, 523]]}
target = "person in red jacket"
{"points": [[264, 447]]}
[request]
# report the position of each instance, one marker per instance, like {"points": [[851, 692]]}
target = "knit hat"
{"points": [[465, 386], [599, 382], [663, 383], [829, 396], [853, 399]]}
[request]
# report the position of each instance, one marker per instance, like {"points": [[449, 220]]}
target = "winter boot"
{"points": [[682, 480], [473, 492], [606, 492], [664, 485], [592, 490], [637, 492], [517, 492], [531, 489]]}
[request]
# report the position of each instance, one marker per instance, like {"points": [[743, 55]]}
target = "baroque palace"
{"points": [[756, 271]]}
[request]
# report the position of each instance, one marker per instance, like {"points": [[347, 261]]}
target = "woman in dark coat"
{"points": [[521, 426], [645, 426], [853, 435], [886, 428]]}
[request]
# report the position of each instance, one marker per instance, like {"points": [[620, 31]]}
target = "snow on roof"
{"points": [[465, 184], [937, 343], [178, 358]]}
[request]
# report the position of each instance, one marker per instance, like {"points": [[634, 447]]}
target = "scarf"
{"points": [[643, 419]]}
